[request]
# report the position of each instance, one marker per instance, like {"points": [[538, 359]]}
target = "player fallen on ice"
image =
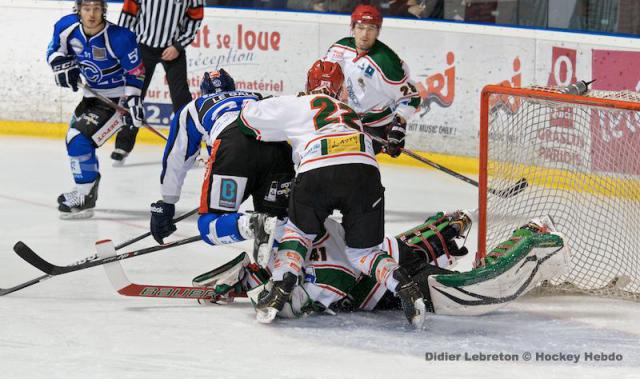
{"points": [[336, 169], [238, 167], [428, 252], [377, 81], [86, 45]]}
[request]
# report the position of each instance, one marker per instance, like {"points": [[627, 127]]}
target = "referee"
{"points": [[163, 30]]}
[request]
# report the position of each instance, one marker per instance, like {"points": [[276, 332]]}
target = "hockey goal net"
{"points": [[580, 156]]}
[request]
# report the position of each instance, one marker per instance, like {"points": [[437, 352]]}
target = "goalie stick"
{"points": [[6, 291], [515, 189], [121, 283]]}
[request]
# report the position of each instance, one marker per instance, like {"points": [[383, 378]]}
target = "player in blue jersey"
{"points": [[238, 167], [86, 45]]}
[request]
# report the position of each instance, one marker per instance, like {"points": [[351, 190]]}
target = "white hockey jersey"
{"points": [[322, 131], [377, 83]]}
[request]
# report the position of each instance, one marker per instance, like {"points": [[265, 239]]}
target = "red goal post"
{"points": [[581, 158]]}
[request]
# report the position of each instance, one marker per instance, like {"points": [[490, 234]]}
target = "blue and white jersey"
{"points": [[203, 119], [109, 61]]}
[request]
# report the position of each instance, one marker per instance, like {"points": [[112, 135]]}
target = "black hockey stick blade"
{"points": [[34, 259], [511, 191], [6, 291]]}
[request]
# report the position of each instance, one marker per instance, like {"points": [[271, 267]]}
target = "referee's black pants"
{"points": [[176, 71]]}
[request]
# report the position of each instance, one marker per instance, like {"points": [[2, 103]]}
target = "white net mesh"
{"points": [[582, 163]]}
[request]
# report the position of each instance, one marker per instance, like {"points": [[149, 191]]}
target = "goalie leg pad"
{"points": [[225, 278], [534, 258]]}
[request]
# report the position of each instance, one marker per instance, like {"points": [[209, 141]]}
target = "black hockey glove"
{"points": [[162, 220], [136, 111], [66, 71], [395, 137]]}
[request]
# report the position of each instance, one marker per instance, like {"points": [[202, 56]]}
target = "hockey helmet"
{"points": [[325, 74], [217, 81], [366, 14], [78, 3]]}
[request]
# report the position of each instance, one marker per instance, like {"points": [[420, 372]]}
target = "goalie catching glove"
{"points": [[433, 242], [66, 71]]}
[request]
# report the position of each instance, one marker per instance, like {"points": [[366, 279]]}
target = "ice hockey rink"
{"points": [[76, 326]]}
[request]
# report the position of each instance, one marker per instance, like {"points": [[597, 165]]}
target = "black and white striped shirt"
{"points": [[162, 23]]}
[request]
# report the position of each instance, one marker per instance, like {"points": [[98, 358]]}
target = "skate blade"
{"points": [[117, 163], [87, 213], [266, 316], [418, 321]]}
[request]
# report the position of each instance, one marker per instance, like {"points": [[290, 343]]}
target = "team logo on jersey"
{"points": [[76, 45], [361, 83], [369, 71], [91, 71], [99, 53]]}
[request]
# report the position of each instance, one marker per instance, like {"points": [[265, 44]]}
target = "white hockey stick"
{"points": [[123, 285]]}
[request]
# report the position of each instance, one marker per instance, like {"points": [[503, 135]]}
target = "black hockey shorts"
{"points": [[95, 120], [353, 189], [240, 167]]}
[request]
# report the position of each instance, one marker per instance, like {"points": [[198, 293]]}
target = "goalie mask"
{"points": [[217, 81], [79, 3], [325, 74]]}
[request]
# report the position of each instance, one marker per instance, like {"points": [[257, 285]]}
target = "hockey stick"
{"points": [[121, 283], [515, 189], [6, 291], [26, 253], [117, 107]]}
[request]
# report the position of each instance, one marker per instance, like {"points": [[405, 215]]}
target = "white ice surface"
{"points": [[76, 326]]}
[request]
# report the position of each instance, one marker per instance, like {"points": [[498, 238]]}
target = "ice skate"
{"points": [[272, 302], [411, 299], [75, 206], [263, 228], [118, 156]]}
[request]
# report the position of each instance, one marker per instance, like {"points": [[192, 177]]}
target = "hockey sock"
{"points": [[83, 159], [217, 229]]}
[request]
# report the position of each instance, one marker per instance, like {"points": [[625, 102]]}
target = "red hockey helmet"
{"points": [[366, 14], [325, 74]]}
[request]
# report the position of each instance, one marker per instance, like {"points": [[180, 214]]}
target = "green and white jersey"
{"points": [[329, 276], [322, 131], [377, 82]]}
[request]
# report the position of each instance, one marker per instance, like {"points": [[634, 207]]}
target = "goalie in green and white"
{"points": [[535, 252]]}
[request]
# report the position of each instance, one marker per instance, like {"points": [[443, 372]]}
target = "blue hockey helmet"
{"points": [[217, 81], [78, 3]]}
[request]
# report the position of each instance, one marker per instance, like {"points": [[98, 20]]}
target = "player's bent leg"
{"points": [[125, 141], [533, 253], [287, 269], [381, 266], [85, 169]]}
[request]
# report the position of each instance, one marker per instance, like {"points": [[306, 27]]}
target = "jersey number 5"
{"points": [[326, 114]]}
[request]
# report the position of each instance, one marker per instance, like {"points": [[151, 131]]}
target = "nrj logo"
{"points": [[508, 103], [439, 88]]}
